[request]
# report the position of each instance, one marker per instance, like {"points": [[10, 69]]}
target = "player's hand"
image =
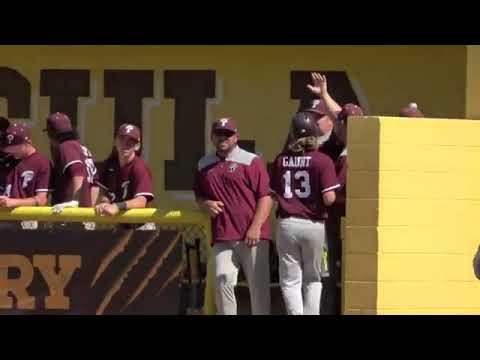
{"points": [[213, 208], [58, 208], [7, 202], [107, 209], [319, 87], [253, 236]]}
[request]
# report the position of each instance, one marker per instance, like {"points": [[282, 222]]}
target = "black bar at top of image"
{"points": [[362, 36]]}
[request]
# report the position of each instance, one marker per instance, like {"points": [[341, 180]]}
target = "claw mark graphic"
{"points": [[153, 271], [116, 250], [172, 277], [117, 284]]}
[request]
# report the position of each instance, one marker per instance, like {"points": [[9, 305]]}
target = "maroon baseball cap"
{"points": [[225, 124], [59, 123], [317, 106], [16, 134], [131, 131], [349, 110], [411, 110]]}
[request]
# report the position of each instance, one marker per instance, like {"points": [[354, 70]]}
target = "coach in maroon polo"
{"points": [[233, 187], [27, 182]]}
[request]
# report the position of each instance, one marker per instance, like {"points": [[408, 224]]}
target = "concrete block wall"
{"points": [[412, 216]]}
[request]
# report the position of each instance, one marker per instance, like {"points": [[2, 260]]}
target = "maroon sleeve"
{"points": [[43, 177], [259, 179], [69, 154], [75, 169], [328, 178], [341, 169], [197, 186], [142, 184], [274, 176]]}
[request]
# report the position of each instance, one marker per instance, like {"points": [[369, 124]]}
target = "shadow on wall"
{"points": [[476, 264]]}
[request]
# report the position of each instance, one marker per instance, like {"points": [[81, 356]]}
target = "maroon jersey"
{"points": [[238, 181], [70, 159], [341, 170], [332, 147], [7, 163], [127, 182], [28, 177], [299, 182]]}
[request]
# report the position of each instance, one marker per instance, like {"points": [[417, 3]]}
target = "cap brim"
{"points": [[316, 112], [131, 137], [233, 132]]}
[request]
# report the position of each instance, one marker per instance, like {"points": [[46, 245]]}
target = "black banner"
{"points": [[72, 271]]}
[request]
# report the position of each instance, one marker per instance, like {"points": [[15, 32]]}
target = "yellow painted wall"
{"points": [[253, 85], [412, 217], [473, 82]]}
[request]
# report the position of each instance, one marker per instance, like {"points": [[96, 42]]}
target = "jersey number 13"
{"points": [[304, 189]]}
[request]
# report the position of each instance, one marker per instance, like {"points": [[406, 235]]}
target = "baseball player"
{"points": [[6, 160], [27, 182], [125, 183], [326, 110], [304, 181], [74, 170], [411, 110], [348, 111], [332, 301], [333, 145], [126, 179], [233, 187]]}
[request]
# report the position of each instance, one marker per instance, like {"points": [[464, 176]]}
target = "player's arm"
{"points": [[262, 212], [41, 199], [142, 188], [320, 89], [104, 195], [95, 193], [329, 198], [212, 207], [138, 202], [328, 181], [75, 188], [74, 170], [105, 208], [260, 182]]}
